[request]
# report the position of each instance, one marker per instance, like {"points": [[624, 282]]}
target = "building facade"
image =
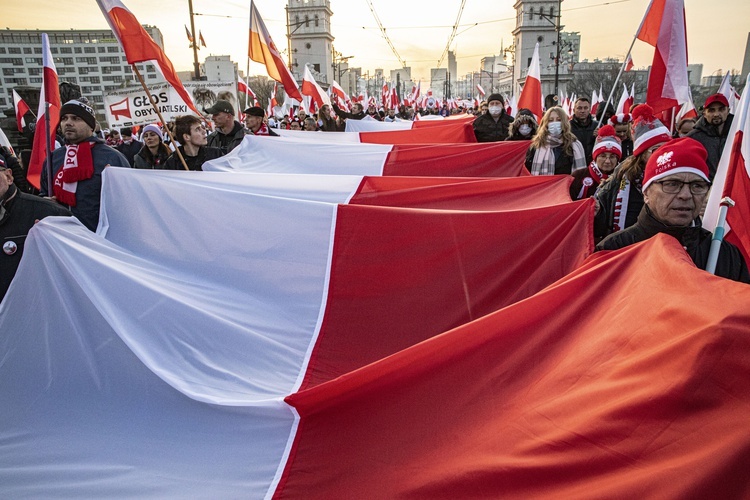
{"points": [[91, 59], [219, 69], [310, 39]]}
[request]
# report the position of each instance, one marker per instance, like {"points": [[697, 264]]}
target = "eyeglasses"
{"points": [[674, 186]]}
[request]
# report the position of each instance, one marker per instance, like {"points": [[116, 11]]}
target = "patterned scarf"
{"points": [[621, 203], [263, 130], [78, 165], [544, 158]]}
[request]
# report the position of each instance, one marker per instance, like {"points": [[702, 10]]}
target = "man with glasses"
{"points": [[675, 186]]}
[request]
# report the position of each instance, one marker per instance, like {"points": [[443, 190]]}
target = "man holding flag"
{"points": [[712, 129]]}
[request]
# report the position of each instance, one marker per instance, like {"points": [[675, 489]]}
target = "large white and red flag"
{"points": [[480, 90], [139, 46], [441, 131], [623, 100], [342, 99], [630, 100], [311, 88], [663, 27], [261, 49], [732, 179], [629, 63], [20, 108], [531, 95], [49, 107], [727, 90]]}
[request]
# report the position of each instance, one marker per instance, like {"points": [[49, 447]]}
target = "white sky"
{"points": [[419, 29]]}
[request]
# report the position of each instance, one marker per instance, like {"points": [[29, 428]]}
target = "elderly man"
{"points": [[494, 125], [712, 129], [254, 122], [18, 214], [675, 186], [77, 167], [229, 132]]}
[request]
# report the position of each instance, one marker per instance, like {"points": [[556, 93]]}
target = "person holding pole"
{"points": [[191, 133], [675, 187], [77, 167]]}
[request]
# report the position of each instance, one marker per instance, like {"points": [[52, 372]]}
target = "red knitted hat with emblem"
{"points": [[677, 157], [647, 129], [607, 142]]}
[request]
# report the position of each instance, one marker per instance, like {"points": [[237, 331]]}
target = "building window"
{"points": [[101, 50], [98, 98], [77, 50], [35, 71], [2, 50], [307, 21], [63, 50], [316, 21], [316, 67], [552, 12], [27, 50], [2, 101], [14, 50], [35, 80], [113, 49], [89, 50]]}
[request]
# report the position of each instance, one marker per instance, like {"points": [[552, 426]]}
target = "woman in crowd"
{"points": [[327, 121], [524, 127], [620, 198], [607, 153], [154, 152], [554, 149]]}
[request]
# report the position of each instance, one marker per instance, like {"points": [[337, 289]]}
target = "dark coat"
{"points": [[487, 129], [130, 150], [712, 140], [348, 116], [227, 142], [144, 158], [17, 216], [695, 240], [19, 175], [584, 131], [205, 154], [88, 192], [606, 194]]}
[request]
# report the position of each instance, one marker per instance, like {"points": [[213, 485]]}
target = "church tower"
{"points": [[310, 38], [538, 21]]}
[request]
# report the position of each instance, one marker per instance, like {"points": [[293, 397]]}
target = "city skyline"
{"points": [[419, 33]]}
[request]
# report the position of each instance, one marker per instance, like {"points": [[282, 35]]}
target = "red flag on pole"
{"points": [[629, 63], [261, 49], [663, 27], [139, 46], [50, 94], [200, 37], [531, 95], [311, 88], [21, 108]]}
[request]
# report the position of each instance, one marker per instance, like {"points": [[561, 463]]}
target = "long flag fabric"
{"points": [[311, 88], [289, 155], [374, 125], [20, 109], [531, 95], [139, 46], [733, 180], [443, 131], [180, 329], [663, 27], [261, 49], [49, 98], [550, 397]]}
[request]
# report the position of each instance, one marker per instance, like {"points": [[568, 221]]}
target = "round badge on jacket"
{"points": [[10, 247]]}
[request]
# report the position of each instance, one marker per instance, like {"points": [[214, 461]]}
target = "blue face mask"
{"points": [[554, 128]]}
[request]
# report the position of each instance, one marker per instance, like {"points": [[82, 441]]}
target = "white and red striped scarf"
{"points": [[263, 130], [78, 165]]}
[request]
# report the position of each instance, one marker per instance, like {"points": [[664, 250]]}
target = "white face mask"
{"points": [[555, 128], [524, 129], [495, 110]]}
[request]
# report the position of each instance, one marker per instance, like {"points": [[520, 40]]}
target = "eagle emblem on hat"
{"points": [[665, 158]]}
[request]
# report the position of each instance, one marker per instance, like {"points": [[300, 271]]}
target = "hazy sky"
{"points": [[419, 29]]}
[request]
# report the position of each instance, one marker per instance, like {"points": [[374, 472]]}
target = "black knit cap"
{"points": [[495, 97], [81, 110]]}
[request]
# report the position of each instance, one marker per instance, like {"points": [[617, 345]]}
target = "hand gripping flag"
{"points": [[50, 95], [139, 46], [261, 49], [733, 180], [663, 27], [531, 95]]}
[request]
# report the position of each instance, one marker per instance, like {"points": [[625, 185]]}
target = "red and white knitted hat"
{"points": [[684, 155], [620, 118], [607, 142], [648, 130]]}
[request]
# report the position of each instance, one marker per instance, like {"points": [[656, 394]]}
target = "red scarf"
{"points": [[78, 165], [263, 130]]}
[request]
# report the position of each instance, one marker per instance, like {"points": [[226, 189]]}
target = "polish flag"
{"points": [[274, 102], [663, 27], [49, 95], [200, 38], [594, 102], [139, 46], [629, 63], [189, 36], [439, 131], [20, 108], [687, 110], [242, 86], [728, 91], [341, 98], [417, 93], [261, 49], [531, 95], [311, 88], [298, 154], [733, 180], [623, 100], [630, 100], [481, 90]]}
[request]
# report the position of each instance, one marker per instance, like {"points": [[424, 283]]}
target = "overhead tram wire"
{"points": [[453, 33], [385, 35]]}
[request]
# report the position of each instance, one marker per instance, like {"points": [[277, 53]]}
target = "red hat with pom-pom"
{"points": [[648, 130], [607, 142]]}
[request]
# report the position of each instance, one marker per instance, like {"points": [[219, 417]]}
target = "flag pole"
{"points": [[158, 113], [617, 80], [716, 239], [48, 143]]}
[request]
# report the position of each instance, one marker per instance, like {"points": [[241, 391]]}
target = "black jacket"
{"points": [[205, 154], [695, 239], [584, 131], [227, 142], [348, 116], [18, 213], [130, 150], [712, 140], [144, 158], [606, 194], [486, 129], [19, 175]]}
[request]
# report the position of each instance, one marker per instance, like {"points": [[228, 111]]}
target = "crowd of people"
{"points": [[644, 178]]}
